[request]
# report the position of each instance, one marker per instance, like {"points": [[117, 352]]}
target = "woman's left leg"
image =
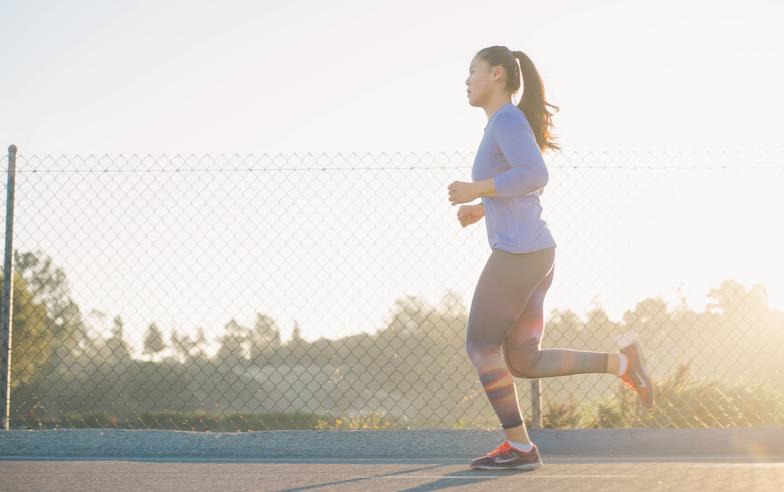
{"points": [[522, 346]]}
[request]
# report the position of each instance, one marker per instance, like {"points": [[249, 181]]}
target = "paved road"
{"points": [[117, 460], [558, 473]]}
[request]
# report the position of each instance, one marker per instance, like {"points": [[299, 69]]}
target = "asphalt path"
{"points": [[585, 459]]}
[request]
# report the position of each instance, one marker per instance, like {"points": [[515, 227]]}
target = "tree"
{"points": [[235, 344], [116, 344], [153, 340], [182, 345], [31, 336], [652, 310], [297, 346], [200, 344], [48, 285], [409, 315], [733, 299], [265, 336]]}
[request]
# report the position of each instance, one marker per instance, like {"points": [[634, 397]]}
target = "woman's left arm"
{"points": [[486, 187], [528, 173]]}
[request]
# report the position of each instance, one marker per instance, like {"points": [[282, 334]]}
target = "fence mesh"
{"points": [[332, 291]]}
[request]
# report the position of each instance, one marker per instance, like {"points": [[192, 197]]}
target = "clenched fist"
{"points": [[462, 192], [468, 214]]}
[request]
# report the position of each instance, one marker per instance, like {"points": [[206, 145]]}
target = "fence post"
{"points": [[6, 311], [536, 403]]}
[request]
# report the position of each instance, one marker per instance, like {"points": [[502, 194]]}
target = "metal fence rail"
{"points": [[331, 291]]}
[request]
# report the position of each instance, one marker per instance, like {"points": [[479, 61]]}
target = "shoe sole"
{"points": [[645, 375], [527, 466]]}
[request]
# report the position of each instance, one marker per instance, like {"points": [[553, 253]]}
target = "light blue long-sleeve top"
{"points": [[509, 154]]}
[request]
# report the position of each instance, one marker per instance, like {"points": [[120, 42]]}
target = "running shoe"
{"points": [[505, 456], [636, 375]]}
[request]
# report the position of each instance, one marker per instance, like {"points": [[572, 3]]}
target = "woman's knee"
{"points": [[480, 353], [523, 357], [485, 332]]}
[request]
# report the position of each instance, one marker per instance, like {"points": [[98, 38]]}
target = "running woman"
{"points": [[506, 319]]}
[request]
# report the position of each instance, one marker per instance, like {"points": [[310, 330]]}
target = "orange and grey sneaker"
{"points": [[505, 456], [636, 375]]}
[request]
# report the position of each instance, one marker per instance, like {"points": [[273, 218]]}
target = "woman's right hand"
{"points": [[468, 214]]}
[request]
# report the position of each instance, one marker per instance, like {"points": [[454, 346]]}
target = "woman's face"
{"points": [[480, 82]]}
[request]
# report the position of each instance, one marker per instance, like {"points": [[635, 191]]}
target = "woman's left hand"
{"points": [[462, 192]]}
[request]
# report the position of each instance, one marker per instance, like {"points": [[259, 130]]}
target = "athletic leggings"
{"points": [[505, 327]]}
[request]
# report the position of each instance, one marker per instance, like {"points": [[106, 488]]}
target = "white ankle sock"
{"points": [[622, 363], [521, 446]]}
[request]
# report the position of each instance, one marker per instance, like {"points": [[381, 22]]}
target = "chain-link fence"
{"points": [[332, 291]]}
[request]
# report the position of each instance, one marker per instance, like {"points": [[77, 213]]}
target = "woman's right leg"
{"points": [[522, 346]]}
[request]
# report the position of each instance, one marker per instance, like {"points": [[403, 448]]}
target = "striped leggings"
{"points": [[505, 328]]}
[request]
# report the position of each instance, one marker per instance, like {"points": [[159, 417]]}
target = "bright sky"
{"points": [[194, 77]]}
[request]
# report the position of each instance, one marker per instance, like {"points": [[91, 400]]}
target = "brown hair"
{"points": [[532, 103]]}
